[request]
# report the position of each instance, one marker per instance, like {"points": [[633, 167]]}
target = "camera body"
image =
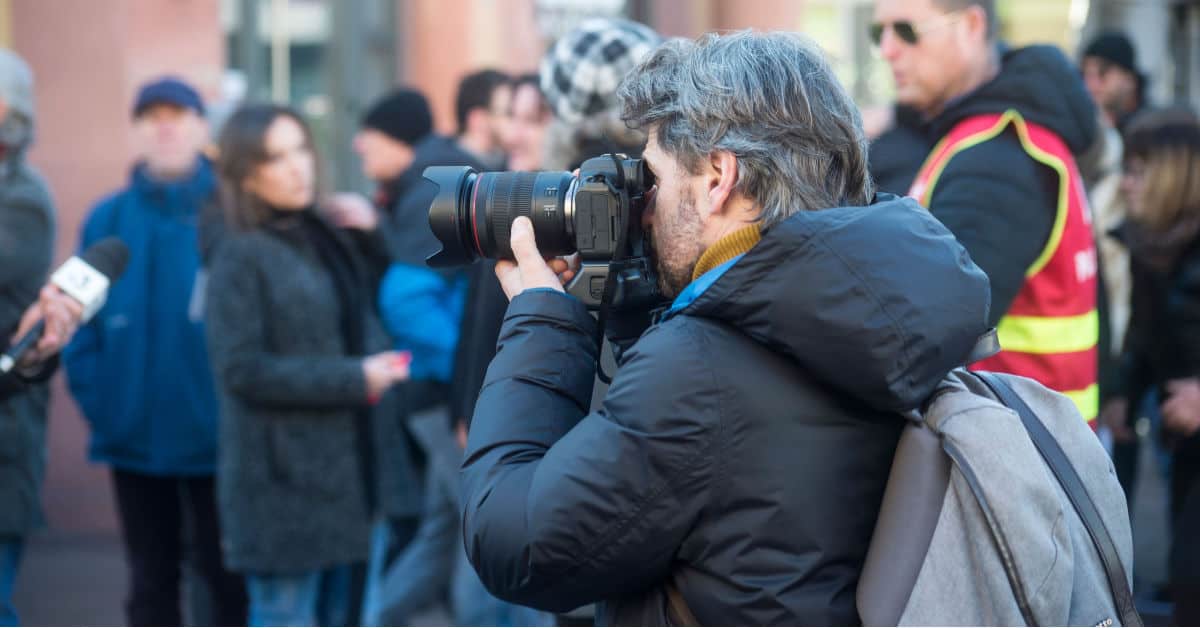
{"points": [[596, 214]]}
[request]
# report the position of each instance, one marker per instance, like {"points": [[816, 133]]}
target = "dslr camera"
{"points": [[597, 214]]}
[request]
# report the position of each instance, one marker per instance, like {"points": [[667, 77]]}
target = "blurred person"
{"points": [[528, 117], [304, 376], [481, 111], [27, 222], [1110, 72], [420, 310], [899, 143], [1161, 186], [1101, 172], [578, 77], [734, 471], [1007, 124], [140, 372]]}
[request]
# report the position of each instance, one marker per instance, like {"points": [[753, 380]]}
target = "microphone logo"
{"points": [[85, 284]]}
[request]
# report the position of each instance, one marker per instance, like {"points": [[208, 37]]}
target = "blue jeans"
{"points": [[318, 598], [10, 558], [435, 562]]}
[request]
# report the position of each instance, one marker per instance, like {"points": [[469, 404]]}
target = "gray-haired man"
{"points": [[26, 248], [734, 472]]}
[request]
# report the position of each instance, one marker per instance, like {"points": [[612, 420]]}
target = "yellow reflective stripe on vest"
{"points": [[1087, 400], [1012, 116], [1044, 334]]}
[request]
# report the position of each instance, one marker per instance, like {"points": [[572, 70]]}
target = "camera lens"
{"points": [[472, 214]]}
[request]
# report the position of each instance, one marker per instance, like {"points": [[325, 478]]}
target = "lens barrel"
{"points": [[472, 214]]}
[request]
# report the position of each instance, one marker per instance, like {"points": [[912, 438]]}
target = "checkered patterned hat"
{"points": [[581, 72]]}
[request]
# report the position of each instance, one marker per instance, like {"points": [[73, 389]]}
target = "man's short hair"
{"points": [[475, 92], [988, 6], [772, 100]]}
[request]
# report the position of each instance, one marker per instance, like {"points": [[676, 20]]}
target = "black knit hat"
{"points": [[403, 115], [1114, 48]]}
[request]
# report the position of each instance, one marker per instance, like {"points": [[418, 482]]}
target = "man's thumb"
{"points": [[524, 246]]}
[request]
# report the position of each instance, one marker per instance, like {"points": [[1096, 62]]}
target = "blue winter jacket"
{"points": [[139, 370], [421, 310]]}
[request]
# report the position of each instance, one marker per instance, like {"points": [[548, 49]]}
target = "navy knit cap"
{"points": [[402, 115], [167, 91], [1114, 48]]}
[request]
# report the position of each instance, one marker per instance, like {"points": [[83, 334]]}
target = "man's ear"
{"points": [[976, 21], [721, 179], [3, 109]]}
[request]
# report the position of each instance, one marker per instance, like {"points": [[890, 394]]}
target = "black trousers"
{"points": [[155, 512]]}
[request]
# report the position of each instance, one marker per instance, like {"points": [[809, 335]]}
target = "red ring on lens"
{"points": [[474, 223]]}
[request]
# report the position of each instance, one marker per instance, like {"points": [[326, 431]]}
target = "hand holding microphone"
{"points": [[77, 290], [60, 316]]}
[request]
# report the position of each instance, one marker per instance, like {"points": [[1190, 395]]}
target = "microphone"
{"points": [[86, 279]]}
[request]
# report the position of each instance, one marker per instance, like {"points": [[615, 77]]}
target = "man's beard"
{"points": [[674, 247]]}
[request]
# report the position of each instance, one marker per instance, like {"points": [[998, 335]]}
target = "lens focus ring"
{"points": [[511, 197]]}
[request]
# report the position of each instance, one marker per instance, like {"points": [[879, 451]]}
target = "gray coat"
{"points": [[26, 250], [290, 485]]}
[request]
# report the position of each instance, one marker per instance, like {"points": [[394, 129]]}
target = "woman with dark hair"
{"points": [[303, 375], [1161, 185]]}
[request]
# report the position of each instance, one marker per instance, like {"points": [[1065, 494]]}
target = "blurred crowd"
{"points": [[282, 387]]}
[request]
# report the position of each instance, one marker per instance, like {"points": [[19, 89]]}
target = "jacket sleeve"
{"points": [[563, 508], [422, 311], [235, 323], [1000, 204]]}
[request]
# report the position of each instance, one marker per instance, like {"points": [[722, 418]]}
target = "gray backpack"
{"points": [[1002, 508]]}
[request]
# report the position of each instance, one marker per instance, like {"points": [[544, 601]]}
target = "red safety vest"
{"points": [[1051, 331]]}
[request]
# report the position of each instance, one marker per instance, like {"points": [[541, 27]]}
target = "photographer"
{"points": [[734, 472]]}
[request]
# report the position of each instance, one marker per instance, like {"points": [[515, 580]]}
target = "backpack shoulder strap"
{"points": [[1077, 493]]}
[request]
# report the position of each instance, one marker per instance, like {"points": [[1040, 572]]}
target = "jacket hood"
{"points": [[1041, 84], [878, 301]]}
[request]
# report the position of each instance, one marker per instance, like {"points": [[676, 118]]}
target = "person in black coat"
{"points": [[733, 474], [1161, 185], [303, 374]]}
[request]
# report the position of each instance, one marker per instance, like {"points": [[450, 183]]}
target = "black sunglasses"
{"points": [[903, 29]]}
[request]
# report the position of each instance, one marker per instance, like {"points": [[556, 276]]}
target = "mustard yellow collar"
{"points": [[727, 248]]}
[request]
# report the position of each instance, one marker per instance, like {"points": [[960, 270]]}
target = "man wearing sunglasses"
{"points": [[1005, 126]]}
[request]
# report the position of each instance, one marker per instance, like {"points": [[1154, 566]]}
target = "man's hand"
{"points": [[383, 370], [1115, 416], [62, 315], [530, 270], [1181, 412], [351, 211]]}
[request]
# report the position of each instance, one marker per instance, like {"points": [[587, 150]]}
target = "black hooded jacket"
{"points": [[997, 200], [743, 448]]}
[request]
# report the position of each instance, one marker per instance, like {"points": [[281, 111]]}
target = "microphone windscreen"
{"points": [[109, 256]]}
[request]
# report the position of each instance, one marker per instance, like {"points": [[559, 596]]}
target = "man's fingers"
{"points": [[524, 245], [510, 278]]}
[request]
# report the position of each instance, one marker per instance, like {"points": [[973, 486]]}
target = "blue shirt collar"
{"points": [[698, 286]]}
